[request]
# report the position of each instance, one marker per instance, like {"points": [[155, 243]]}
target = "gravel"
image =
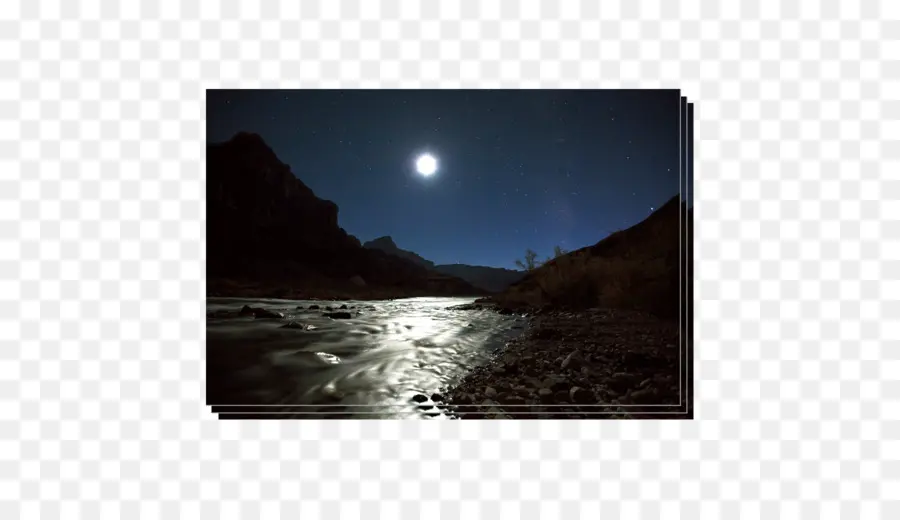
{"points": [[598, 364]]}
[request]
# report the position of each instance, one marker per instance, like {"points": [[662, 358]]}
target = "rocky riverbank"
{"points": [[596, 363]]}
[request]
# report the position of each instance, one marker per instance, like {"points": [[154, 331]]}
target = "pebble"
{"points": [[573, 361], [581, 396]]}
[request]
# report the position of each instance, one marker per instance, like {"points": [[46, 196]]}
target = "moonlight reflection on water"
{"points": [[369, 365]]}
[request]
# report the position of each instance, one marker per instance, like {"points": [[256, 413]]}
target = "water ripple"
{"points": [[370, 364]]}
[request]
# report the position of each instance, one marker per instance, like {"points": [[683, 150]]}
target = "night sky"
{"points": [[517, 169]]}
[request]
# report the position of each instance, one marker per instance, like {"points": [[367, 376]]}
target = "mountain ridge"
{"points": [[493, 279], [268, 234]]}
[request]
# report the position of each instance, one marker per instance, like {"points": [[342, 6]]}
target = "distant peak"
{"points": [[385, 240], [248, 141], [247, 137]]}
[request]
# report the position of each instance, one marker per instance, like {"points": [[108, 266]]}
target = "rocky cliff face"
{"points": [[266, 228], [387, 245]]}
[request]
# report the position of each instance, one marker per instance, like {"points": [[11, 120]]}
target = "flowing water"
{"points": [[370, 365]]}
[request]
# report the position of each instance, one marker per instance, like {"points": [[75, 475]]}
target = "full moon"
{"points": [[426, 165]]}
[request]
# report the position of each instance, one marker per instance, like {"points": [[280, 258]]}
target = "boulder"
{"points": [[294, 325], [261, 314]]}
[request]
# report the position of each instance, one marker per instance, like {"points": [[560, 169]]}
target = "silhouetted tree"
{"points": [[530, 262], [557, 252]]}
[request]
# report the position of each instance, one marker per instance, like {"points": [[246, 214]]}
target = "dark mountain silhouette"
{"points": [[387, 245], [637, 268], [269, 235], [493, 279]]}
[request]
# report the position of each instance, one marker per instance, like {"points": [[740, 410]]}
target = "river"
{"points": [[369, 366]]}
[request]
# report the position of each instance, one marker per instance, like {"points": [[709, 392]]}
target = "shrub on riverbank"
{"points": [[636, 268]]}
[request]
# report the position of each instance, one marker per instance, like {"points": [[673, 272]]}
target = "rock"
{"points": [[573, 361], [425, 407], [344, 306], [419, 398], [312, 307], [639, 359], [294, 325], [621, 382], [436, 397], [555, 384], [505, 311], [495, 413], [546, 395], [547, 333], [461, 399], [580, 395], [247, 310], [645, 396], [490, 392], [261, 314], [329, 308], [338, 315]]}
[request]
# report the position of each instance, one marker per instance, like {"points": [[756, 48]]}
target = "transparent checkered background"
{"points": [[102, 262]]}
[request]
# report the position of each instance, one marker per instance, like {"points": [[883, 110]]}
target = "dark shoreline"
{"points": [[588, 364]]}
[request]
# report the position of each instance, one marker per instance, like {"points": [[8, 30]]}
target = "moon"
{"points": [[426, 164]]}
